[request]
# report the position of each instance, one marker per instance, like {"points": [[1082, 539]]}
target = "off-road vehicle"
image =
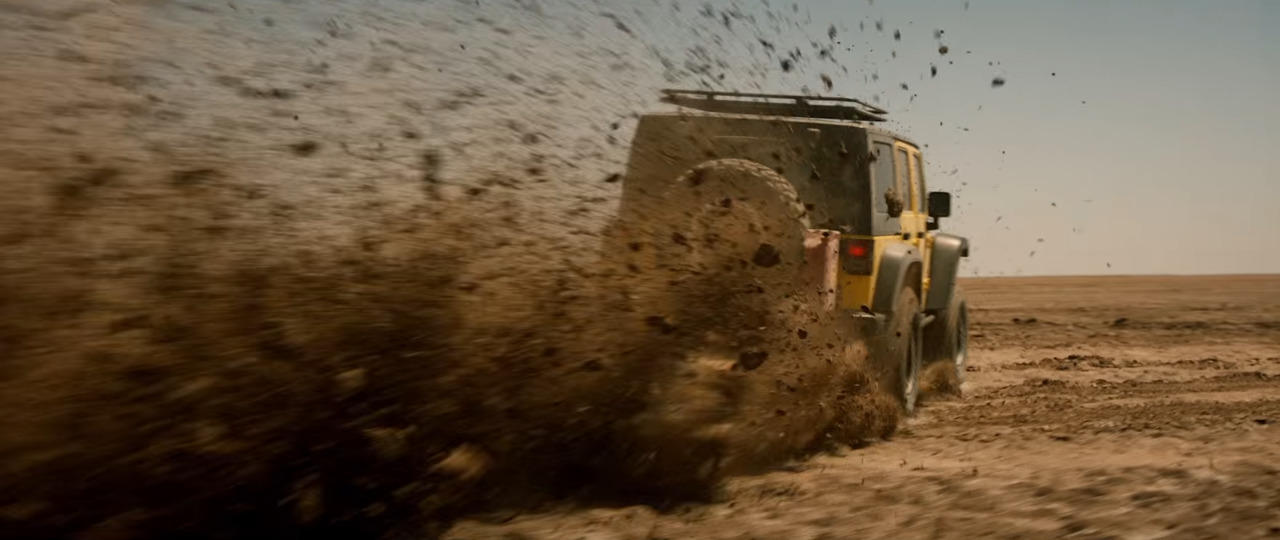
{"points": [[809, 181]]}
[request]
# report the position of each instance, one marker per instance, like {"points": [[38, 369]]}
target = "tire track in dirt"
{"points": [[1144, 437]]}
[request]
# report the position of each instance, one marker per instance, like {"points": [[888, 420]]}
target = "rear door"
{"points": [[907, 165], [919, 218], [914, 221], [892, 172]]}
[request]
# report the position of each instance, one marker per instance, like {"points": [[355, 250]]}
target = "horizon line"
{"points": [[1274, 274]]}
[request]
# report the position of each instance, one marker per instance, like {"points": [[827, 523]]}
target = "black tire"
{"points": [[946, 344], [900, 346]]}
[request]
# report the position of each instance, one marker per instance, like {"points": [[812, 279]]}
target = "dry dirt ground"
{"points": [[1127, 407]]}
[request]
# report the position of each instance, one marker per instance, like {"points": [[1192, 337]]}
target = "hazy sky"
{"points": [[1147, 123], [1162, 113], [1135, 132]]}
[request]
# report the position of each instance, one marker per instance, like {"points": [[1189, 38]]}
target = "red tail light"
{"points": [[857, 255]]}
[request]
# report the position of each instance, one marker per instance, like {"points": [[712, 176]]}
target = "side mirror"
{"points": [[939, 204]]}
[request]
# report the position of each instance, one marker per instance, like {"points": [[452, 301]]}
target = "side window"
{"points": [[920, 191], [883, 176], [904, 180]]}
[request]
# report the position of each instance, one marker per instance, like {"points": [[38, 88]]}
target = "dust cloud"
{"points": [[304, 269]]}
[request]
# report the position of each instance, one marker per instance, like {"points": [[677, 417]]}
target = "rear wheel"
{"points": [[901, 349]]}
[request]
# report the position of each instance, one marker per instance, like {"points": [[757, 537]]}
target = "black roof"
{"points": [[836, 108]]}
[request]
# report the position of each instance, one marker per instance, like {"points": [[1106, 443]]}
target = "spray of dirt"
{"points": [[232, 307], [214, 384]]}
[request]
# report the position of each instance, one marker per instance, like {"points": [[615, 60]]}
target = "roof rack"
{"points": [[775, 104]]}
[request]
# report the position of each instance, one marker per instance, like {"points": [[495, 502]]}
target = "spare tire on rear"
{"points": [[726, 215]]}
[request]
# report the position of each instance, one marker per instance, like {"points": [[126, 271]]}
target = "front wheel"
{"points": [[946, 343]]}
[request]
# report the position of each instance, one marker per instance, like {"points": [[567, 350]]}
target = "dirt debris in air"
{"points": [[389, 384], [269, 294], [393, 381], [317, 295]]}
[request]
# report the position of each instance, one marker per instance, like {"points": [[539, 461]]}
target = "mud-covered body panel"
{"points": [[947, 251]]}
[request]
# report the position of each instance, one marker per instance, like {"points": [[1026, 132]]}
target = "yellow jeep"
{"points": [[812, 179]]}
